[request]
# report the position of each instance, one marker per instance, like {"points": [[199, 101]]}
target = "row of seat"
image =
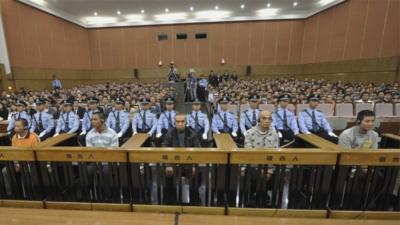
{"points": [[341, 110]]}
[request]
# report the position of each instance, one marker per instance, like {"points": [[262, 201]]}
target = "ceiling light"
{"points": [[211, 14], [170, 16], [294, 4], [269, 5], [119, 12], [39, 2], [142, 11], [267, 12], [95, 14], [216, 7], [134, 17], [191, 8], [166, 10], [100, 20], [242, 6], [325, 2]]}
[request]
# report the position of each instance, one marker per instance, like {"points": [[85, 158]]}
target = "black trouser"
{"points": [[326, 136], [47, 135], [287, 136]]}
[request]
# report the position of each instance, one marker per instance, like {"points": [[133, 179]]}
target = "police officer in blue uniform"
{"points": [[201, 90], [118, 120], [42, 122], [166, 122], [313, 121], [21, 114], [144, 121], [68, 122], [87, 117], [284, 121], [199, 122], [224, 121], [249, 117]]}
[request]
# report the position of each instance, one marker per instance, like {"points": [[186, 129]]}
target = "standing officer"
{"points": [[224, 121], [166, 122], [118, 120], [87, 117], [284, 120], [198, 121], [313, 121], [249, 117], [42, 122], [145, 121], [68, 122], [20, 114]]}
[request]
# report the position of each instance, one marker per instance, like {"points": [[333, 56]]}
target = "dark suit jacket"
{"points": [[171, 139]]}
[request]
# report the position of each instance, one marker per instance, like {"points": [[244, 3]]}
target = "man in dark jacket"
{"points": [[181, 136]]}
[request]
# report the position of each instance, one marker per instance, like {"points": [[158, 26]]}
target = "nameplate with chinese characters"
{"points": [[180, 156], [10, 154], [82, 155], [370, 158], [286, 157]]}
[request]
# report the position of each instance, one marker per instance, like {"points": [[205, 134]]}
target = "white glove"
{"points": [[42, 134], [158, 135], [307, 132], [83, 132], [204, 136], [279, 134], [217, 132], [332, 134], [55, 135], [119, 134], [149, 133], [244, 133], [134, 133], [234, 134]]}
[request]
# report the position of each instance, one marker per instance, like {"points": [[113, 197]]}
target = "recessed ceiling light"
{"points": [[95, 14], [170, 16], [212, 14], [142, 11], [242, 6], [216, 7], [294, 4], [269, 5], [119, 12], [166, 10], [134, 17], [191, 8]]}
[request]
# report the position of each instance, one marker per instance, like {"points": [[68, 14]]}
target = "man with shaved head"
{"points": [[263, 135]]}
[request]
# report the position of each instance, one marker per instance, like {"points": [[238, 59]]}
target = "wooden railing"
{"points": [[321, 181]]}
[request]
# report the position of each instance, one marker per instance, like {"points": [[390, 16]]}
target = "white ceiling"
{"points": [[114, 13]]}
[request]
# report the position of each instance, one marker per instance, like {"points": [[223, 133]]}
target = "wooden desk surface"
{"points": [[53, 141], [319, 142], [224, 141], [136, 141], [62, 217], [245, 220], [392, 136]]}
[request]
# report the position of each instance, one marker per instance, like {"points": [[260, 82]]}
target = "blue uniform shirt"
{"points": [[203, 83], [68, 123], [150, 121], [45, 119], [247, 120], [202, 124], [18, 115], [278, 120], [218, 122], [118, 120], [86, 121], [305, 121], [166, 121]]}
